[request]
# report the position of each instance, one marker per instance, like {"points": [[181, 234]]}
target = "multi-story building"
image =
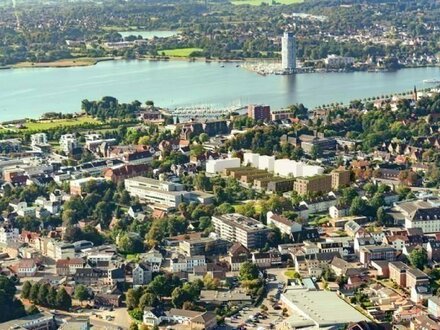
{"points": [[288, 56], [291, 168], [215, 166], [398, 272], [126, 171], [38, 139], [162, 194], [285, 225], [433, 250], [68, 142], [334, 61], [281, 114], [203, 246], [258, 112], [428, 219], [340, 178], [235, 227], [8, 234], [142, 274], [434, 306], [369, 253], [319, 183], [415, 277], [318, 141], [186, 264]]}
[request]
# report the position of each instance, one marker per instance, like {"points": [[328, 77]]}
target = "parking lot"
{"points": [[254, 317]]}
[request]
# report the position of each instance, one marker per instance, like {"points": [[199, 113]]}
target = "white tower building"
{"points": [[288, 58]]}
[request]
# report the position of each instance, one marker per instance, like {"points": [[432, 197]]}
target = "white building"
{"points": [[154, 258], [38, 139], [261, 162], [334, 61], [291, 168], [434, 306], [186, 264], [215, 166], [8, 235], [235, 227], [285, 225], [142, 274], [288, 57], [428, 219], [162, 194], [68, 142]]}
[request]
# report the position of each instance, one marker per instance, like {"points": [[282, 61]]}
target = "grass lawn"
{"points": [[48, 124], [179, 52], [259, 2], [290, 273], [131, 257]]}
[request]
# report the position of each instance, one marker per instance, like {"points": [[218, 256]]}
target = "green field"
{"points": [[48, 124], [259, 2], [179, 52], [291, 273]]}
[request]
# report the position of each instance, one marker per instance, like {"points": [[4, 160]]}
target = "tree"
{"points": [[358, 206], [179, 296], [148, 299], [133, 326], [52, 297], [132, 298], [203, 137], [26, 290], [10, 307], [418, 258], [63, 300], [248, 271], [81, 293], [42, 294], [33, 295], [130, 244]]}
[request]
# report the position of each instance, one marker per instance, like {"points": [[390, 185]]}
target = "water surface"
{"points": [[33, 91]]}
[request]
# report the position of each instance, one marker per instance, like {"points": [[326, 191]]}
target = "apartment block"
{"points": [[162, 194], [319, 183], [235, 227]]}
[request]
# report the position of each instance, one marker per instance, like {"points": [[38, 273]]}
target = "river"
{"points": [[31, 92]]}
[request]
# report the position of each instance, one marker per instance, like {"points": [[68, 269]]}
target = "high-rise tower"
{"points": [[288, 58]]}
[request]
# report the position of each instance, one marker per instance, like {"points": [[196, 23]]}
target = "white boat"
{"points": [[431, 81]]}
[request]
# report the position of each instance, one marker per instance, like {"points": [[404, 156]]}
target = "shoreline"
{"points": [[90, 61]]}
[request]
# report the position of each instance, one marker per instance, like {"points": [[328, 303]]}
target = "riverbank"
{"points": [[62, 63]]}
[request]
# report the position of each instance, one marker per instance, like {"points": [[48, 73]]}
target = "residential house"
{"points": [[26, 268], [237, 255], [285, 225], [266, 259], [142, 274], [65, 267], [186, 264], [433, 250]]}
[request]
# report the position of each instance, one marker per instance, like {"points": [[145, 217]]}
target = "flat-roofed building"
{"points": [[235, 227], [162, 194], [398, 272], [340, 178], [319, 183], [216, 166], [203, 246], [317, 309]]}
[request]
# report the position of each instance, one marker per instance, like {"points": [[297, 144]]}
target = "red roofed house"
{"points": [[26, 268], [125, 172]]}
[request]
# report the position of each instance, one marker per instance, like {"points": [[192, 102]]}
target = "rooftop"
{"points": [[324, 308]]}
